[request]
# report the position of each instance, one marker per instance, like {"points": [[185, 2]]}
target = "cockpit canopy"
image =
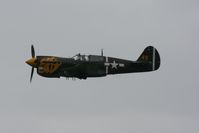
{"points": [[81, 57], [91, 58]]}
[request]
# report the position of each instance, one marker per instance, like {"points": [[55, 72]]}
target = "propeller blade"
{"points": [[33, 51], [32, 72]]}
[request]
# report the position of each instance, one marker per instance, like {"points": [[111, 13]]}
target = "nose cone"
{"points": [[31, 62]]}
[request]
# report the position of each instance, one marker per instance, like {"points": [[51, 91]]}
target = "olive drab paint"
{"points": [[86, 66]]}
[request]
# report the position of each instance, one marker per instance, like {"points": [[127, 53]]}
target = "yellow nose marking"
{"points": [[49, 65], [31, 62]]}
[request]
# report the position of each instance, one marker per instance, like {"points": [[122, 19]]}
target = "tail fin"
{"points": [[151, 56]]}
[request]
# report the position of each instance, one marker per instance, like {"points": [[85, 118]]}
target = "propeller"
{"points": [[32, 61], [33, 56]]}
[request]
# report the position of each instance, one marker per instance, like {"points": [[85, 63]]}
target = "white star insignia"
{"points": [[114, 65]]}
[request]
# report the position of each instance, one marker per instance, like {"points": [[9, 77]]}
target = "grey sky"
{"points": [[164, 101]]}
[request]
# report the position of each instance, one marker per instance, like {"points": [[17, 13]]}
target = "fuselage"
{"points": [[87, 66]]}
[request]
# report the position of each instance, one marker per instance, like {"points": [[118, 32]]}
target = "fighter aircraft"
{"points": [[86, 66]]}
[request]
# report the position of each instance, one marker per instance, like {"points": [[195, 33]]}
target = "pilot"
{"points": [[83, 58], [78, 56]]}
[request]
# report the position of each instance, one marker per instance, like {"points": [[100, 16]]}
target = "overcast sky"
{"points": [[165, 101]]}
